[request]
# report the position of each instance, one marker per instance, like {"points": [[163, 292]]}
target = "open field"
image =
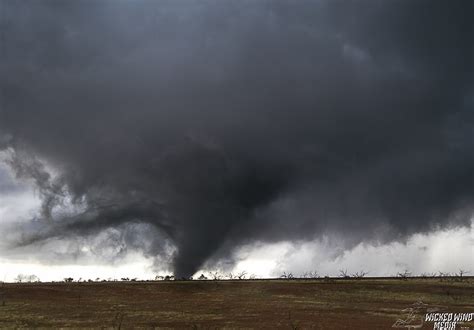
{"points": [[286, 304]]}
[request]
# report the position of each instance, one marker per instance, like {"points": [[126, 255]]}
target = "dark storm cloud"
{"points": [[221, 123]]}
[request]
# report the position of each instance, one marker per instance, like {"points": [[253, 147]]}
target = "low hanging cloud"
{"points": [[221, 124]]}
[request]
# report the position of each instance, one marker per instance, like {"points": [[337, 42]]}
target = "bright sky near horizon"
{"points": [[422, 253]]}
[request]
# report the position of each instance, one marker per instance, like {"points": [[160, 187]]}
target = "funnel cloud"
{"points": [[223, 123]]}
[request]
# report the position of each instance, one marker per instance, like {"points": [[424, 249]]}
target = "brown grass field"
{"points": [[260, 304]]}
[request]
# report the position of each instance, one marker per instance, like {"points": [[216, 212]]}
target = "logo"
{"points": [[419, 314], [448, 321]]}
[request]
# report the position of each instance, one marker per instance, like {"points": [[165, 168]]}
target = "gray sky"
{"points": [[189, 130]]}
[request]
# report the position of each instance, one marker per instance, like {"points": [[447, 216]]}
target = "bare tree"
{"points": [[33, 278], [202, 277], [405, 275], [461, 273], [443, 276], [313, 274], [343, 273], [287, 276], [241, 275], [26, 278], [360, 274], [20, 278], [310, 274], [215, 275]]}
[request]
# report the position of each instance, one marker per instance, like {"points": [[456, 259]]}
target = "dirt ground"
{"points": [[260, 304]]}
